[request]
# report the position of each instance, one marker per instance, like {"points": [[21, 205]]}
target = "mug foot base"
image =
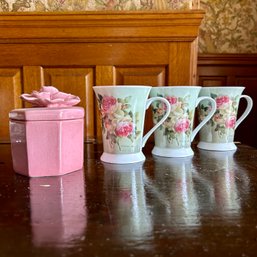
{"points": [[217, 146], [168, 152], [122, 158]]}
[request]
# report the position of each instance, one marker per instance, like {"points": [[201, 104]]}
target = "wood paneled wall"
{"points": [[233, 70], [76, 51]]}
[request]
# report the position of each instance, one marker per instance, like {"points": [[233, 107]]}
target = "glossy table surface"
{"points": [[200, 206]]}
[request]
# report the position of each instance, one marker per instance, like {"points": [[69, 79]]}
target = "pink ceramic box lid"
{"points": [[33, 114]]}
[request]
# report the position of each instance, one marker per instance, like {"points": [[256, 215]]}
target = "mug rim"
{"points": [[122, 86], [228, 87], [176, 87]]}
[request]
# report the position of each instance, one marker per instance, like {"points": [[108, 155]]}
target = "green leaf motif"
{"points": [[100, 97], [127, 99], [214, 96]]}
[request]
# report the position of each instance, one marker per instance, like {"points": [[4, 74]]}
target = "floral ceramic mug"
{"points": [[122, 111], [218, 133], [173, 138]]}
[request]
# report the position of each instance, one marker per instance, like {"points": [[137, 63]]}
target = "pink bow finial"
{"points": [[49, 96]]}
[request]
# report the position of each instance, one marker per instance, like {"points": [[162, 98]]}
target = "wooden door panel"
{"points": [[150, 76], [77, 81], [212, 81], [10, 91], [84, 54]]}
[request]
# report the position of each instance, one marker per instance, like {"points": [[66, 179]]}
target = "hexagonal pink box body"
{"points": [[47, 141]]}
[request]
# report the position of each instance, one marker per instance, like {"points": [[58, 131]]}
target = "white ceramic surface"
{"points": [[217, 146], [174, 137], [122, 112], [218, 133]]}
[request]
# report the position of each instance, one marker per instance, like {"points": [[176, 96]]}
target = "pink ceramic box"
{"points": [[47, 141]]}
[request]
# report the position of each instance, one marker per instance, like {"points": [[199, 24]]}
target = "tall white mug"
{"points": [[122, 111], [218, 133], [174, 137]]}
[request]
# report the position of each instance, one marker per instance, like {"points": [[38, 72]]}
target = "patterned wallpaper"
{"points": [[90, 5], [229, 26]]}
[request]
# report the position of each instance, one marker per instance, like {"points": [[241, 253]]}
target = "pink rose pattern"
{"points": [[118, 121], [230, 122], [222, 101], [107, 103], [124, 129], [182, 125], [225, 115], [172, 99], [179, 121]]}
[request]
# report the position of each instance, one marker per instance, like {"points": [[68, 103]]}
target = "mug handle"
{"points": [[208, 117], [148, 103], [249, 106]]}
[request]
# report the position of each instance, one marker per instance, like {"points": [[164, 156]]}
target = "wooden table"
{"points": [[200, 206]]}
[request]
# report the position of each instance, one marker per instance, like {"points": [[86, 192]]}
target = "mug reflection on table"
{"points": [[125, 192], [224, 175], [173, 138], [122, 111], [173, 188], [218, 133]]}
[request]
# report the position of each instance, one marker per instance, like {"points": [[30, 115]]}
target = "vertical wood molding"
{"points": [[33, 79], [181, 59], [194, 56], [10, 90]]}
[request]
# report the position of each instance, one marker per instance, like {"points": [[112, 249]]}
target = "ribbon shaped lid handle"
{"points": [[49, 96]]}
